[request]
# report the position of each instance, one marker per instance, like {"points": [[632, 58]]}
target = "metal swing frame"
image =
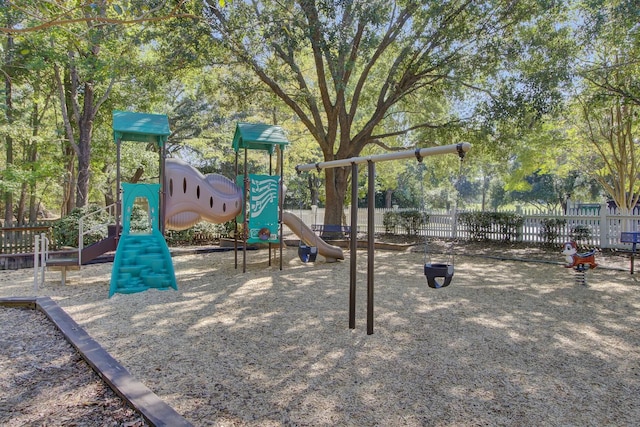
{"points": [[418, 153]]}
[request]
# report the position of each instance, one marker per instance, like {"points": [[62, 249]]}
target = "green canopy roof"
{"points": [[257, 136], [140, 127]]}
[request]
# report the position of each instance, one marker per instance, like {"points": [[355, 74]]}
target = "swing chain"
{"points": [[444, 271], [460, 151], [461, 154]]}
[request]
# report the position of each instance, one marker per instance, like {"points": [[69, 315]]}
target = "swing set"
{"points": [[306, 253], [433, 272]]}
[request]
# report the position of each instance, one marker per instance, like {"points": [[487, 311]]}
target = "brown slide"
{"points": [[306, 234]]}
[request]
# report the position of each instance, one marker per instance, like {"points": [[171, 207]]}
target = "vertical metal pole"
{"points": [[235, 222], [353, 245], [245, 224], [281, 201], [371, 212], [270, 173], [118, 197], [162, 202]]}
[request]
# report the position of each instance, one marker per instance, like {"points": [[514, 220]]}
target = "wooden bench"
{"points": [[63, 265], [332, 228], [632, 237]]}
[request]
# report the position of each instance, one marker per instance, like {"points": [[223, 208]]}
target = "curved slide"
{"points": [[309, 237]]}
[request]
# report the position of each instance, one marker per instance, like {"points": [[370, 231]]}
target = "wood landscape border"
{"points": [[138, 396]]}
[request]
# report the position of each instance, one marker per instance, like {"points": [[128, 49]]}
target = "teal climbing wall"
{"points": [[142, 260]]}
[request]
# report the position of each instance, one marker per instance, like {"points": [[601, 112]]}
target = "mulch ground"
{"points": [[513, 341], [45, 382]]}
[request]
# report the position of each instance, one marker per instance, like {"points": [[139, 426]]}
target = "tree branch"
{"points": [[59, 21], [412, 128]]}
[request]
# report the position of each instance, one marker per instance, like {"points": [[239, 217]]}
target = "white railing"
{"points": [[109, 210], [40, 257]]}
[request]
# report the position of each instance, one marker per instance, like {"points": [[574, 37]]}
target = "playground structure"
{"points": [[262, 215], [142, 260], [193, 197], [432, 271], [185, 196]]}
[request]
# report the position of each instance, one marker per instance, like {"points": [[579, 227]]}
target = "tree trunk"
{"points": [[8, 196], [136, 176], [84, 158], [33, 158], [387, 198], [65, 92], [69, 183], [336, 189], [109, 198], [22, 203], [33, 204], [485, 187], [84, 146]]}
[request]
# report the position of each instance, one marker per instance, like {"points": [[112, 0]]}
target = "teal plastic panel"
{"points": [[140, 127], [258, 136], [263, 208]]}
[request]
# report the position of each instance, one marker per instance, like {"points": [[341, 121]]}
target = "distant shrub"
{"points": [[509, 225], [65, 230], [478, 224], [390, 221], [552, 228], [139, 221], [580, 234], [201, 233], [410, 222], [482, 225]]}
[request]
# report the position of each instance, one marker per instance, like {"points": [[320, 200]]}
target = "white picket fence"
{"points": [[605, 225]]}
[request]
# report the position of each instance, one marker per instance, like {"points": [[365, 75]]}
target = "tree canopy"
{"points": [[358, 73], [534, 85]]}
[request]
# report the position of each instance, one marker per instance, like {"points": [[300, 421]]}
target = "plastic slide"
{"points": [[192, 196], [307, 235]]}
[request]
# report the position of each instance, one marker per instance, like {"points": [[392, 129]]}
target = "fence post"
{"points": [[454, 222], [36, 259], [81, 239], [521, 228], [604, 226], [44, 254]]}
